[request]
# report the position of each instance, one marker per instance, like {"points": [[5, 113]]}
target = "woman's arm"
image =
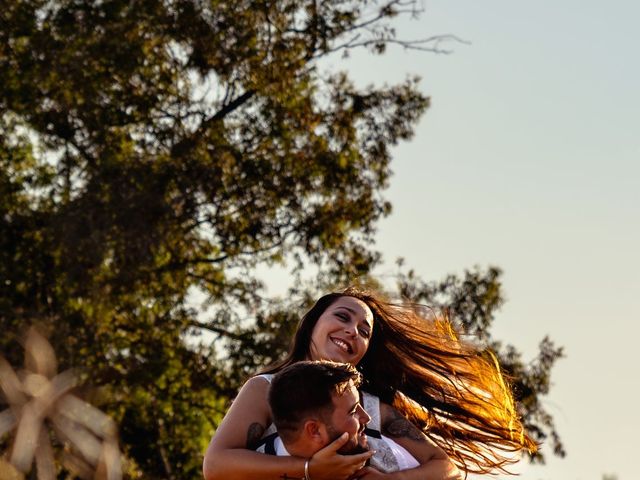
{"points": [[435, 464], [228, 456]]}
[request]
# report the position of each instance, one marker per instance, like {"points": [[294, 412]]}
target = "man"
{"points": [[314, 403]]}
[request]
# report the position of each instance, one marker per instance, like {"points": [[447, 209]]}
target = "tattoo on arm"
{"points": [[397, 426], [254, 434]]}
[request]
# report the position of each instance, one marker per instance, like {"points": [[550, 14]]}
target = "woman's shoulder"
{"points": [[258, 381], [254, 387]]}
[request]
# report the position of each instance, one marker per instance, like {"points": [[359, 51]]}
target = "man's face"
{"points": [[349, 416]]}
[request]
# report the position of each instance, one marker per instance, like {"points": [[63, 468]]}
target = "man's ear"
{"points": [[316, 431]]}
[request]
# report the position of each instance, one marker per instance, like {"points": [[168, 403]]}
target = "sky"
{"points": [[529, 159]]}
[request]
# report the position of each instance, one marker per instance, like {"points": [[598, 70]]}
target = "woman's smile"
{"points": [[342, 344]]}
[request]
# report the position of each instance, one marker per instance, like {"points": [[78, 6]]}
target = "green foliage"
{"points": [[157, 151]]}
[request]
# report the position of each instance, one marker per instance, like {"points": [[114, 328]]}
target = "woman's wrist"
{"points": [[306, 469]]}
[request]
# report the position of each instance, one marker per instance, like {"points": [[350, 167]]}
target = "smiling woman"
{"points": [[342, 332], [438, 397]]}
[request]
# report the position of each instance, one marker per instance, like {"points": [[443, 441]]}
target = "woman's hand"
{"points": [[328, 464], [368, 473]]}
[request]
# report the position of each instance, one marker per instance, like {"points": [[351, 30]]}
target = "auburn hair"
{"points": [[450, 388]]}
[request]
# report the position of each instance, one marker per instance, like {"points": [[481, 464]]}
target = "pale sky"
{"points": [[529, 159]]}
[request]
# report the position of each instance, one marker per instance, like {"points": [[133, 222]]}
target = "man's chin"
{"points": [[355, 449]]}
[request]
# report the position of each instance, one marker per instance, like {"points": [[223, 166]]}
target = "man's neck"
{"points": [[299, 449]]}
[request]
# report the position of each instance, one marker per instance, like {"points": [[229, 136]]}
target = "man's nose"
{"points": [[364, 416]]}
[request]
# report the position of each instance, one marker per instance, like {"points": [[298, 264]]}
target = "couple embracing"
{"points": [[436, 399]]}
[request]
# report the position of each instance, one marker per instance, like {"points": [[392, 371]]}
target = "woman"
{"points": [[426, 378]]}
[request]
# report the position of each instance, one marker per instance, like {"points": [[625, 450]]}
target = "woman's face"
{"points": [[342, 332]]}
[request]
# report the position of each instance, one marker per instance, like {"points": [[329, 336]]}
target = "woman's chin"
{"points": [[342, 358], [334, 354], [338, 357]]}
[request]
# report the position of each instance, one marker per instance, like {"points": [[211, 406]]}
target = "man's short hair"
{"points": [[304, 390]]}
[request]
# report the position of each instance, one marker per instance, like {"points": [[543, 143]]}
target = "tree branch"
{"points": [[214, 329], [422, 45], [185, 145]]}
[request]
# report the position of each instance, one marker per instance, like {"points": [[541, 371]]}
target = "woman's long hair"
{"points": [[450, 389]]}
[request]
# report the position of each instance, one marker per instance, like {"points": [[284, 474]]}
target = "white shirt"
{"points": [[404, 458]]}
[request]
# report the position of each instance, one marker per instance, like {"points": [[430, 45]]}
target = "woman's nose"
{"points": [[350, 330]]}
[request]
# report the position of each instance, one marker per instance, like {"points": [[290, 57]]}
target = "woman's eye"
{"points": [[364, 332], [342, 317]]}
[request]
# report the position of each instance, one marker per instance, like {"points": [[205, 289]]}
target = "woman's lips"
{"points": [[344, 345]]}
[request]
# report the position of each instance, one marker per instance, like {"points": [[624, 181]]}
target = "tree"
{"points": [[152, 150]]}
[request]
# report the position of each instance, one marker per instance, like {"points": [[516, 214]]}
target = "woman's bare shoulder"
{"points": [[258, 382]]}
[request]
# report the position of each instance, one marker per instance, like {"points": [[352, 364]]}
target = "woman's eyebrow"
{"points": [[346, 308]]}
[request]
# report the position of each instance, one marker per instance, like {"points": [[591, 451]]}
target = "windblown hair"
{"points": [[305, 390], [452, 390]]}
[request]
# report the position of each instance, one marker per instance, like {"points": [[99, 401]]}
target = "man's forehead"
{"points": [[349, 394]]}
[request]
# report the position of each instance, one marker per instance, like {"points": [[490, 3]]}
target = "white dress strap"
{"points": [[384, 458], [267, 376]]}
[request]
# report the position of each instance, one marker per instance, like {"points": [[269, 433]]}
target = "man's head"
{"points": [[313, 403]]}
